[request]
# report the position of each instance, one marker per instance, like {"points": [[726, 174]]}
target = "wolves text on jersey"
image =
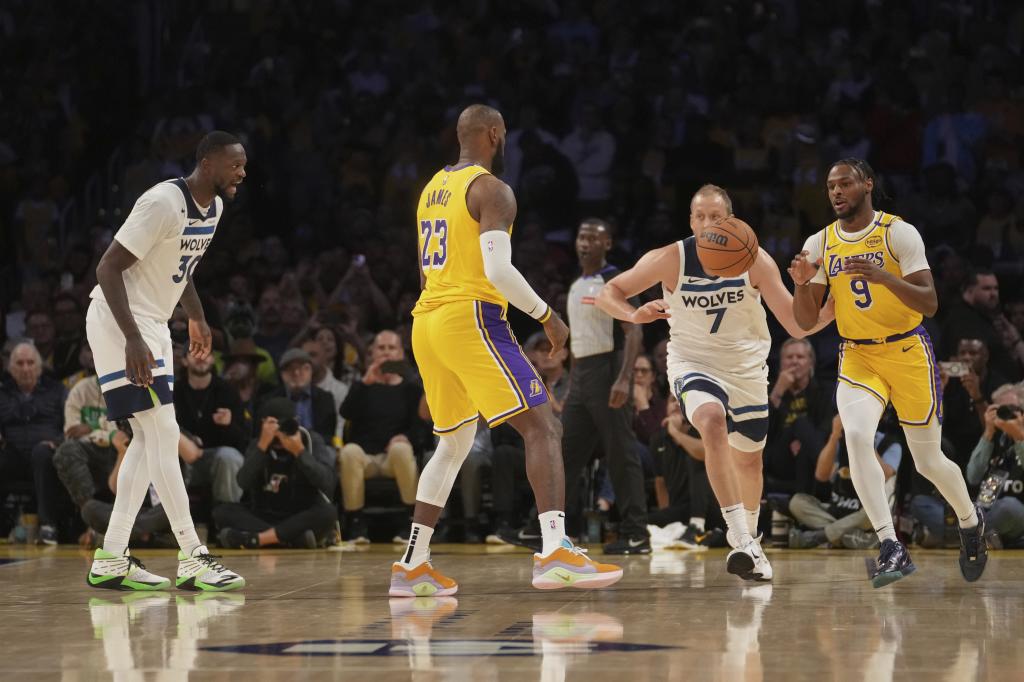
{"points": [[712, 300], [835, 263]]}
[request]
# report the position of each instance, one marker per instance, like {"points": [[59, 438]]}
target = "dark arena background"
{"points": [[616, 113]]}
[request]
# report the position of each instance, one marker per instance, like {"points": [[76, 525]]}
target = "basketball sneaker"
{"points": [[973, 549], [749, 562], [569, 566], [892, 564], [629, 544], [420, 581], [201, 572], [125, 572]]}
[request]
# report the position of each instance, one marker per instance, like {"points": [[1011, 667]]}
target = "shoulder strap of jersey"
{"points": [[681, 247]]}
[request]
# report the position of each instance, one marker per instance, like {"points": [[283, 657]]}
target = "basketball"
{"points": [[727, 248]]}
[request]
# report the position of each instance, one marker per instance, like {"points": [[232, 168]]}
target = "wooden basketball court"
{"points": [[675, 616]]}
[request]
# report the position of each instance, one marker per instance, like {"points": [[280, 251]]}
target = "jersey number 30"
{"points": [[435, 243], [185, 268]]}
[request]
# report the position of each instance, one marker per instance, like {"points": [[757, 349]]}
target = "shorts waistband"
{"points": [[888, 339]]}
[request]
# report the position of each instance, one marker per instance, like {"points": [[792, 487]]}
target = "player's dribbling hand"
{"points": [[138, 361], [651, 311], [557, 332], [802, 270], [200, 340]]}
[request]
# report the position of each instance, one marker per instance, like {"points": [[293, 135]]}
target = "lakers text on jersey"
{"points": [[469, 359]]}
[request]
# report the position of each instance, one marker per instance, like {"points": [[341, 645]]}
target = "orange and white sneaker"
{"points": [[569, 566], [420, 581]]}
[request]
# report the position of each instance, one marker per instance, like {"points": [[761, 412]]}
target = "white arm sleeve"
{"points": [[496, 248], [815, 247], [908, 247]]}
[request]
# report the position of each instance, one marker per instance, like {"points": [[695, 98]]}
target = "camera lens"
{"points": [[289, 427]]}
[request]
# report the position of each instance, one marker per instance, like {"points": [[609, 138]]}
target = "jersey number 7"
{"points": [[435, 251]]}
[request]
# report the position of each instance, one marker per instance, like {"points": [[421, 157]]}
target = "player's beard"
{"points": [[851, 209], [222, 192], [498, 162]]}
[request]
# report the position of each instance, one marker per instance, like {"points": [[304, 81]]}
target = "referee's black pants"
{"points": [[587, 421]]}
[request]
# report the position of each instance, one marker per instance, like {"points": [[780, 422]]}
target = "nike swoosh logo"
{"points": [[194, 222], [907, 348], [636, 543], [565, 578], [691, 280]]}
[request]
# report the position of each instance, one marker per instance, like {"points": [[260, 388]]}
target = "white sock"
{"points": [[736, 519], [886, 532], [119, 530], [552, 530], [752, 520], [698, 523], [418, 549], [925, 445], [187, 538]]}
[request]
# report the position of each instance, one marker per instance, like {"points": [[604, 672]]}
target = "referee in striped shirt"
{"points": [[598, 409]]}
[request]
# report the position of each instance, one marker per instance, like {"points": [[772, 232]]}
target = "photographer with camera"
{"points": [[288, 478], [314, 407], [997, 465]]}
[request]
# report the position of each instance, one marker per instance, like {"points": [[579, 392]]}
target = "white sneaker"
{"points": [[201, 572], [124, 572], [749, 562]]}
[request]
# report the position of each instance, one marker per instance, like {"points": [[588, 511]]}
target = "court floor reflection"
{"points": [[674, 616]]}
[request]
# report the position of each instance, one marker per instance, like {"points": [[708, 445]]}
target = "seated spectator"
{"points": [[240, 323], [965, 398], [241, 372], [381, 409], [314, 406], [151, 525], [997, 466], [69, 323], [799, 409], [842, 521], [272, 332], [209, 410], [86, 364], [648, 403], [87, 456], [681, 484], [31, 426], [288, 477], [324, 379], [973, 317]]}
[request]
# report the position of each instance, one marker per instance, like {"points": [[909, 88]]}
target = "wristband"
{"points": [[546, 316]]}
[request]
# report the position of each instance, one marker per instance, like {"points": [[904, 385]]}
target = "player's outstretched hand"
{"points": [[651, 311], [557, 333], [801, 269], [138, 361], [200, 340]]}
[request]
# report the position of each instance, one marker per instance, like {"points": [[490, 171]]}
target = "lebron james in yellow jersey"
{"points": [[471, 364], [874, 265]]}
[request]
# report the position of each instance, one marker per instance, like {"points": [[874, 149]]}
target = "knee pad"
{"points": [[439, 474]]}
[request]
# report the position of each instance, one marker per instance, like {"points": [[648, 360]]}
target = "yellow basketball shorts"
{"points": [[471, 364], [902, 371]]}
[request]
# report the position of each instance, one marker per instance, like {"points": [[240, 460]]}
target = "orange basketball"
{"points": [[727, 248]]}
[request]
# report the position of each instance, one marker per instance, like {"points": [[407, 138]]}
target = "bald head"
{"points": [[476, 120], [481, 131]]}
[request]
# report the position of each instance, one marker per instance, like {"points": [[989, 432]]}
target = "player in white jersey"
{"points": [[717, 352], [142, 276]]}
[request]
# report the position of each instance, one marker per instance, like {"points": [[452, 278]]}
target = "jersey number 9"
{"points": [[435, 243], [862, 292]]}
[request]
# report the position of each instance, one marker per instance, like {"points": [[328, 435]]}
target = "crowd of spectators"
{"points": [[614, 109]]}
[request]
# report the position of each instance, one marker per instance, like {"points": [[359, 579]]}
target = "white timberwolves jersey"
{"points": [[716, 322], [169, 234]]}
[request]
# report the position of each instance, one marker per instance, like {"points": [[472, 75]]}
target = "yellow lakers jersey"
{"points": [[865, 310], [449, 242]]}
